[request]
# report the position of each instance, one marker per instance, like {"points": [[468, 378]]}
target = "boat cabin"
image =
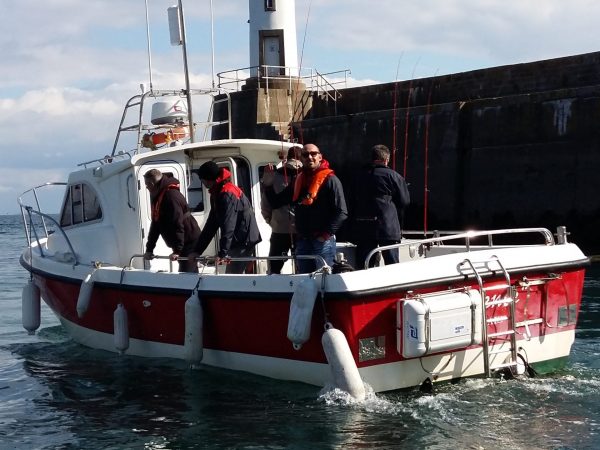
{"points": [[108, 204]]}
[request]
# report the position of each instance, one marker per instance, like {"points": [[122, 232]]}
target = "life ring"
{"points": [[152, 140]]}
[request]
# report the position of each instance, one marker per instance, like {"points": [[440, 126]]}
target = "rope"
{"points": [[195, 290], [322, 294], [30, 246]]}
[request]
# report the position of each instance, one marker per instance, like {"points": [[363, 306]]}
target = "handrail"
{"points": [[316, 79], [467, 236], [22, 205], [29, 230], [207, 259], [30, 210], [138, 101]]}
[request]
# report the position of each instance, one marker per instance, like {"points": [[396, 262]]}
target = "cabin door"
{"points": [[176, 170]]}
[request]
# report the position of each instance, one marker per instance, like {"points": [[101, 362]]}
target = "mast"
{"points": [[177, 31]]}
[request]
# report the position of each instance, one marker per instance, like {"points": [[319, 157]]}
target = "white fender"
{"points": [[341, 362], [85, 293], [121, 328], [30, 307], [301, 309], [193, 339]]}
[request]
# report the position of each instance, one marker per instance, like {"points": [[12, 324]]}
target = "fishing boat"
{"points": [[458, 304]]}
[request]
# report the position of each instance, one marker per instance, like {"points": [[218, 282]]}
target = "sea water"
{"points": [[55, 394]]}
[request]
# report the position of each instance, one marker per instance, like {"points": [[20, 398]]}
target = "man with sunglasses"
{"points": [[320, 209]]}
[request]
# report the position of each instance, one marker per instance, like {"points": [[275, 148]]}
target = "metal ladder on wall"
{"points": [[481, 269]]}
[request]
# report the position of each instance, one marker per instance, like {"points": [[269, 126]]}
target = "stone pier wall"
{"points": [[511, 146]]}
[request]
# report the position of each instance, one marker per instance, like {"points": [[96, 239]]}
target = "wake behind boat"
{"points": [[460, 304]]}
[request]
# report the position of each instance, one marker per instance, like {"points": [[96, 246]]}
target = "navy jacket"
{"points": [[232, 213], [380, 203]]}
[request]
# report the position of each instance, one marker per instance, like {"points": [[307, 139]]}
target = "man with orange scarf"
{"points": [[171, 219], [319, 205]]}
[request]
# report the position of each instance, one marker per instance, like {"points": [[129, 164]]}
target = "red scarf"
{"points": [[156, 206], [224, 184], [310, 182]]}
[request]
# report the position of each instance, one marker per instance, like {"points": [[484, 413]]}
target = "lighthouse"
{"points": [[273, 48], [274, 96]]}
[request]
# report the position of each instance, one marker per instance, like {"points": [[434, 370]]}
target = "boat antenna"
{"points": [[148, 41], [212, 43], [178, 38]]}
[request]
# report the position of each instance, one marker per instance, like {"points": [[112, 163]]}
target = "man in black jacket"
{"points": [[379, 208], [232, 213], [318, 200], [171, 219]]}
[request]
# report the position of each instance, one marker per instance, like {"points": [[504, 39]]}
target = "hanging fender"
{"points": [[301, 309], [341, 362], [193, 340], [85, 293], [30, 307], [121, 328]]}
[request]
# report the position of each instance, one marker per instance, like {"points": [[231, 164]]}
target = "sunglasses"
{"points": [[307, 154]]}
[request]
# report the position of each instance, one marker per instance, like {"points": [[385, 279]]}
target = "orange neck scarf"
{"points": [[310, 182], [156, 206]]}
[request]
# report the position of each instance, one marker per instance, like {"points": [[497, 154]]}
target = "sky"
{"points": [[69, 66]]}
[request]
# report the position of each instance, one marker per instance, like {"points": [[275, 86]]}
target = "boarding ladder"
{"points": [[485, 269]]}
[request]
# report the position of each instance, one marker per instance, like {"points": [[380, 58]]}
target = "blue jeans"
{"points": [[306, 246]]}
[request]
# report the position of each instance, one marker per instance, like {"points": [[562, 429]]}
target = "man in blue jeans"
{"points": [[320, 209]]}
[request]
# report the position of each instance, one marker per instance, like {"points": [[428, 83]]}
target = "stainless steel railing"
{"points": [[465, 238], [208, 260]]}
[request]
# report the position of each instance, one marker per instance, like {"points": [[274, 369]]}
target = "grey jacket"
{"points": [[281, 219]]}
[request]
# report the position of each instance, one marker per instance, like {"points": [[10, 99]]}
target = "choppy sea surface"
{"points": [[55, 394]]}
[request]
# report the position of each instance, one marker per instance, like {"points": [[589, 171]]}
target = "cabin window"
{"points": [[261, 172], [81, 205], [270, 5], [195, 194]]}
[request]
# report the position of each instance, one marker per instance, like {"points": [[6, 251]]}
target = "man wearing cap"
{"points": [[171, 219], [232, 214], [319, 204]]}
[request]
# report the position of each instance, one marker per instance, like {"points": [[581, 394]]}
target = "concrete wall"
{"points": [[511, 146]]}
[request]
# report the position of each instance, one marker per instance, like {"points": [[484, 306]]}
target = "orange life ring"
{"points": [[152, 140]]}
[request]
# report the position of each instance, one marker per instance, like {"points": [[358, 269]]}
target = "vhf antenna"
{"points": [[148, 41]]}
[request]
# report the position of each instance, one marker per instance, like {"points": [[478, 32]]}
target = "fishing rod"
{"points": [[301, 137], [412, 77], [394, 114], [426, 156]]}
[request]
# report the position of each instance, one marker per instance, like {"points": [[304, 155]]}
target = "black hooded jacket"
{"points": [[174, 223]]}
